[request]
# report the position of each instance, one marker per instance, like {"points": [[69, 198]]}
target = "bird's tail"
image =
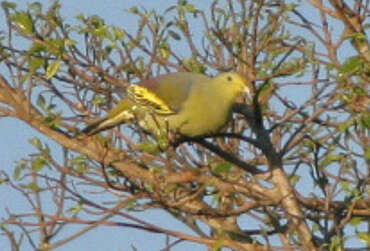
{"points": [[108, 122], [122, 113], [95, 127]]}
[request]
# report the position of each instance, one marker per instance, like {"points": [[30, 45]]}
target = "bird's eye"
{"points": [[229, 78]]}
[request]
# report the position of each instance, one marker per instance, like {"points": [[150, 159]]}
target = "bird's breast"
{"points": [[199, 118]]}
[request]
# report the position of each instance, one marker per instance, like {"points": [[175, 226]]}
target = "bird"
{"points": [[185, 103]]}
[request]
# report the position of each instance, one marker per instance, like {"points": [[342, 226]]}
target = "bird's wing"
{"points": [[166, 92], [143, 96]]}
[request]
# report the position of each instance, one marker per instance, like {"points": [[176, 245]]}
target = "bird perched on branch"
{"points": [[190, 104]]}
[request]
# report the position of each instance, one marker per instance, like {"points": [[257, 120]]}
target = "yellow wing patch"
{"points": [[142, 96]]}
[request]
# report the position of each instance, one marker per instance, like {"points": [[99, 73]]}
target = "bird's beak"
{"points": [[247, 92]]}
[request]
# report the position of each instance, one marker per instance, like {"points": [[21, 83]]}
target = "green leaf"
{"points": [[24, 22], [182, 2], [155, 169], [41, 102], [218, 245], [351, 65], [315, 227], [69, 42], [38, 163], [8, 5], [330, 158], [101, 31], [18, 170], [355, 221], [365, 120], [345, 186], [76, 209], [98, 99], [266, 92], [294, 179], [56, 46], [81, 169], [162, 139], [130, 204], [223, 167], [133, 10], [95, 21], [344, 126], [35, 7], [164, 50], [290, 7], [335, 243], [36, 143], [190, 8], [35, 49], [81, 17], [174, 35], [79, 164], [52, 69], [78, 160], [32, 186], [216, 199], [194, 65], [35, 63], [149, 147], [365, 237], [118, 33], [52, 119], [149, 187], [367, 154], [3, 179], [357, 35], [309, 144], [108, 49]]}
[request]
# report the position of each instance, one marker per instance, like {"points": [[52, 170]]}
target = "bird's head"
{"points": [[233, 82]]}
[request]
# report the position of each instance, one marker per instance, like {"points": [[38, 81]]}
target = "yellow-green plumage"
{"points": [[187, 103]]}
